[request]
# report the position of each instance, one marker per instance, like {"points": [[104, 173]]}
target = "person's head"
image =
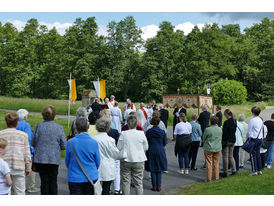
{"points": [[272, 116], [96, 100], [214, 120], [132, 121], [81, 112], [256, 111], [241, 117], [92, 117], [106, 100], [81, 124], [128, 106], [155, 120], [105, 112], [218, 108], [234, 116], [22, 114], [194, 117], [116, 104], [182, 117], [112, 97], [153, 101], [3, 146], [228, 114], [133, 113], [142, 105], [204, 107], [128, 101], [49, 113], [103, 124], [161, 106], [11, 120]]}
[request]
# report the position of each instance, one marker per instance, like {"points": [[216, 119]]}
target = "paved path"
{"points": [[172, 182]]}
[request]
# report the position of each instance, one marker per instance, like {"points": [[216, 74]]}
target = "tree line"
{"points": [[36, 61]]}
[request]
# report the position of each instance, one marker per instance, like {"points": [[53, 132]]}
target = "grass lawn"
{"points": [[34, 119], [240, 184]]}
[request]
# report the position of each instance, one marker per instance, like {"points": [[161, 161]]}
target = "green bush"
{"points": [[229, 92]]}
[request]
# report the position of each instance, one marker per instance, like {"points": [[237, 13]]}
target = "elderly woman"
{"points": [[87, 151], [48, 141], [157, 161], [183, 142], [81, 112], [212, 139], [108, 153], [133, 145], [242, 151]]}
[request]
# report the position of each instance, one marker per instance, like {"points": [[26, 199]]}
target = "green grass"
{"points": [[34, 119], [36, 105], [240, 184]]}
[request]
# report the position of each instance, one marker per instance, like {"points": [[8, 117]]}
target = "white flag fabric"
{"points": [[97, 87]]}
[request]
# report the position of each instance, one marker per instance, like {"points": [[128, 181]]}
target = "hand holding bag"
{"points": [[97, 186], [249, 143]]}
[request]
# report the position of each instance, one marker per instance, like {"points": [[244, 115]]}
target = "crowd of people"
{"points": [[106, 148]]}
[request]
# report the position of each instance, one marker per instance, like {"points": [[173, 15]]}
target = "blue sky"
{"points": [[147, 21]]}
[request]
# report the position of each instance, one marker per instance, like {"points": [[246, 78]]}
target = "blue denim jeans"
{"points": [[156, 179], [184, 158], [256, 163], [270, 152]]}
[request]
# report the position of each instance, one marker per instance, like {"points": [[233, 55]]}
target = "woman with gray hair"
{"points": [[108, 153], [81, 112], [133, 145], [242, 151]]}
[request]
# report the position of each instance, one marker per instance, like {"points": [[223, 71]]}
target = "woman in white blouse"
{"points": [[182, 134], [108, 153], [132, 145]]}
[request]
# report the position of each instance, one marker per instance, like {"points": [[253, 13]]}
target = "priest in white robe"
{"points": [[117, 118], [142, 114]]}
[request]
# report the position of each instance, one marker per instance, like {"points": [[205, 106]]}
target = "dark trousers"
{"points": [[156, 179], [236, 157], [193, 153], [48, 175], [83, 188], [183, 158], [256, 163], [263, 159], [106, 187]]}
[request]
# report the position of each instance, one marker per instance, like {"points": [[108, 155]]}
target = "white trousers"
{"points": [[242, 156], [31, 181], [18, 184], [117, 179]]}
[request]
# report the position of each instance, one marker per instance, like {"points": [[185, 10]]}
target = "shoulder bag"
{"points": [[97, 186], [249, 144]]}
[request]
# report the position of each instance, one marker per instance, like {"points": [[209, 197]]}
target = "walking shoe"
{"points": [[33, 190], [186, 172], [194, 169], [165, 171], [253, 174], [268, 166], [181, 171], [153, 189], [159, 189], [260, 173], [117, 192], [223, 174], [233, 173]]}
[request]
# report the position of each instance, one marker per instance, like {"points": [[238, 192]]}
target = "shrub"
{"points": [[229, 92]]}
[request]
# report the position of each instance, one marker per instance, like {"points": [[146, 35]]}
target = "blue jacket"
{"points": [[87, 151], [25, 127], [196, 131]]}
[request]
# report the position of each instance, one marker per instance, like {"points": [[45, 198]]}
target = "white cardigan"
{"points": [[133, 144], [108, 153]]}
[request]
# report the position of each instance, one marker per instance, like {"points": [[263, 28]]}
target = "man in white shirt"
{"points": [[254, 132], [107, 102], [132, 106], [142, 114]]}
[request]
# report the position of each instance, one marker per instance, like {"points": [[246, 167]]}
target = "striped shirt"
{"points": [[18, 152]]}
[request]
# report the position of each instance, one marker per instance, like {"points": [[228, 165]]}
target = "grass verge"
{"points": [[239, 184]]}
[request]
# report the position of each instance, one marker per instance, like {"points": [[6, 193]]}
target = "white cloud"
{"points": [[19, 25], [149, 31], [186, 27], [102, 30], [61, 28]]}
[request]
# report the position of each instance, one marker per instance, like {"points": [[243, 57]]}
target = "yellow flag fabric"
{"points": [[73, 94], [102, 89]]}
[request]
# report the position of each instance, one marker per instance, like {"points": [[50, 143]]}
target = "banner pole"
{"points": [[69, 99]]}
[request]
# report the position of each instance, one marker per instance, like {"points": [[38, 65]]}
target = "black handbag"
{"points": [[249, 144]]}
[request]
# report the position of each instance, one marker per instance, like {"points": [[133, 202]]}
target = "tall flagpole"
{"points": [[69, 99]]}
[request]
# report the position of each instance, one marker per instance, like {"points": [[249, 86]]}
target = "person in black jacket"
{"points": [[270, 140], [177, 111], [96, 106], [228, 141], [163, 114], [219, 115], [204, 118]]}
